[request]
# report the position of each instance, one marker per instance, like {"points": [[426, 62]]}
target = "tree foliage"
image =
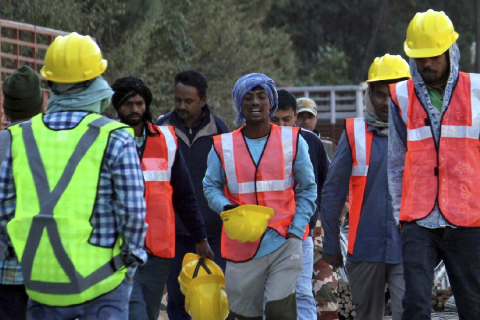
{"points": [[296, 42], [154, 40], [361, 29]]}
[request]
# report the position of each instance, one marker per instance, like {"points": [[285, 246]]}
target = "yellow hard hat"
{"points": [[73, 58], [247, 222], [206, 298], [429, 34], [388, 67], [203, 284], [194, 266]]}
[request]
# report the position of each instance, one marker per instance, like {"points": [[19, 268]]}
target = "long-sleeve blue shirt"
{"points": [[378, 237], [305, 192]]}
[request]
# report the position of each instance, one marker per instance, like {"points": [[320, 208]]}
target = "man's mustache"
{"points": [[427, 70], [134, 114]]}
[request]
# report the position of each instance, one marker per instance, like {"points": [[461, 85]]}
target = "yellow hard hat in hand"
{"points": [[203, 284], [247, 222]]}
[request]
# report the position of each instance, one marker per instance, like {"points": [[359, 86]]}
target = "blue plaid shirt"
{"points": [[119, 207]]}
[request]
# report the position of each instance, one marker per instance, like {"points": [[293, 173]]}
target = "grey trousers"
{"points": [[148, 285], [270, 279], [367, 286]]}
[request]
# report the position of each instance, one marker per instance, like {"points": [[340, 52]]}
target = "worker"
{"points": [[22, 99], [257, 165], [360, 162], [71, 193], [307, 119], [195, 125], [433, 168], [285, 115], [167, 185]]}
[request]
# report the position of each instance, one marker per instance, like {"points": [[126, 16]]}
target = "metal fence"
{"points": [[22, 44], [334, 103]]}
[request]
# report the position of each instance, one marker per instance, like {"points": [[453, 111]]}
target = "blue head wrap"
{"points": [[247, 83]]}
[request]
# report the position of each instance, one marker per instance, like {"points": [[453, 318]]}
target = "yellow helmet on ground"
{"points": [[73, 58], [247, 222], [203, 284], [429, 34], [388, 67]]}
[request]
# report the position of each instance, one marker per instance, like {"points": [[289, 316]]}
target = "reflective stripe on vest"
{"points": [[53, 263], [450, 176], [270, 183], [157, 161], [360, 141]]}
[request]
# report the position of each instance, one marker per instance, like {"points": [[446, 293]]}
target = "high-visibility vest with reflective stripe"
{"points": [[56, 174], [447, 173], [360, 141], [270, 183], [157, 162]]}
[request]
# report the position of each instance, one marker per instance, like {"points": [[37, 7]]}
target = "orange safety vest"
{"points": [[270, 183], [157, 162], [360, 141], [447, 173]]}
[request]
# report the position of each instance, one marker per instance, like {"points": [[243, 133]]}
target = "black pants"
{"points": [[13, 302]]}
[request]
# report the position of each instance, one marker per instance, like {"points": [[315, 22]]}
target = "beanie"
{"points": [[128, 87], [22, 95]]}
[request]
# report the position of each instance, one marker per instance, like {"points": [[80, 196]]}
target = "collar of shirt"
{"points": [[141, 140]]}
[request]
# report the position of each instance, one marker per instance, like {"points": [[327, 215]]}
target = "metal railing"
{"points": [[334, 102], [23, 44]]}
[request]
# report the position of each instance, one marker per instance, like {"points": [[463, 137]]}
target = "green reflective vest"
{"points": [[56, 174]]}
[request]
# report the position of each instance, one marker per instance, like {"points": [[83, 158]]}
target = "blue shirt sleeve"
{"points": [[305, 191], [334, 194], [214, 183], [397, 148]]}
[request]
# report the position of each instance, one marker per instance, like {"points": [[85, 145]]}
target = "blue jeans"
{"points": [[110, 306], [176, 300], [306, 308], [422, 250], [148, 286]]}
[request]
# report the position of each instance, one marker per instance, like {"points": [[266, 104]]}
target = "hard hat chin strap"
{"points": [[201, 262]]}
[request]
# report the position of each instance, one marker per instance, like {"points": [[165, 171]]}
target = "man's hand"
{"points": [[292, 235], [203, 249], [335, 260]]}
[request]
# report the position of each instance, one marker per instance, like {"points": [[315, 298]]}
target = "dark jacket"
{"points": [[195, 144], [378, 237], [320, 162]]}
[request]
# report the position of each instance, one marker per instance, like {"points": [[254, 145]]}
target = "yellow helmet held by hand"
{"points": [[247, 222], [429, 34], [388, 67], [203, 284], [73, 58], [193, 266]]}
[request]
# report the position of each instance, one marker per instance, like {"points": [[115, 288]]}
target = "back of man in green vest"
{"points": [[72, 193]]}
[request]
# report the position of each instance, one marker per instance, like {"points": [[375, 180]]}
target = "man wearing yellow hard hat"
{"points": [[253, 169], [72, 193], [434, 167], [360, 164]]}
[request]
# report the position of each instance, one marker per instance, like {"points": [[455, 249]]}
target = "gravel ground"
{"points": [[438, 316]]}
